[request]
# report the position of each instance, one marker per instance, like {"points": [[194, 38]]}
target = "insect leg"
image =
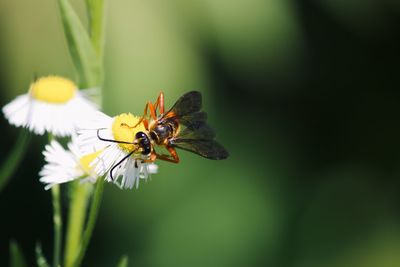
{"points": [[153, 109], [160, 103], [144, 115], [146, 124], [153, 113], [119, 163], [153, 157], [173, 157]]}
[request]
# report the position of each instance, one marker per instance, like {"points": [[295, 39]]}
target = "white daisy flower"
{"points": [[122, 162], [66, 165], [53, 104]]}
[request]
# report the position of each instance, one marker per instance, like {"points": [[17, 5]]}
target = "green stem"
{"points": [[15, 157], [55, 192], [93, 213], [76, 219], [95, 10], [75, 245]]}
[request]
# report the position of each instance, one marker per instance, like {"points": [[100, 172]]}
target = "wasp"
{"points": [[184, 126]]}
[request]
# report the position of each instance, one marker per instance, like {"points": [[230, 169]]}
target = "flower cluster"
{"points": [[100, 145]]}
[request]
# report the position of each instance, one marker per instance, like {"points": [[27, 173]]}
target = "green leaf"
{"points": [[123, 262], [40, 259], [9, 166], [16, 257], [84, 57]]}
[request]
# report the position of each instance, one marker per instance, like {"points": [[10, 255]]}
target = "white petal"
{"points": [[38, 116], [61, 165], [131, 172], [152, 168], [17, 111], [89, 129], [104, 162]]}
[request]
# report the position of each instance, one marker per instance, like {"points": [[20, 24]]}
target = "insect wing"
{"points": [[199, 130], [187, 104], [193, 120], [210, 149], [197, 136]]}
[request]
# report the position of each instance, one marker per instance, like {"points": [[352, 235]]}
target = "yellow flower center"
{"points": [[124, 129], [86, 160], [53, 89]]}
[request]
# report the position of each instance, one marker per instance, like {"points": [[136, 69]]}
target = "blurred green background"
{"points": [[304, 95]]}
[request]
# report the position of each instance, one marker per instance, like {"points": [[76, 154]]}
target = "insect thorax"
{"points": [[163, 131]]}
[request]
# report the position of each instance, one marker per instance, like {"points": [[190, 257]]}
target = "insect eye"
{"points": [[139, 135]]}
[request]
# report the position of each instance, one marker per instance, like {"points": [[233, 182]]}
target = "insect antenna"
{"points": [[119, 163], [111, 140]]}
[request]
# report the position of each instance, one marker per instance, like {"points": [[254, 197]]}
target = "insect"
{"points": [[183, 126]]}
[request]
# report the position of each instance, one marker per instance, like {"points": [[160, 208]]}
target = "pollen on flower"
{"points": [[53, 89], [123, 130], [86, 160]]}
